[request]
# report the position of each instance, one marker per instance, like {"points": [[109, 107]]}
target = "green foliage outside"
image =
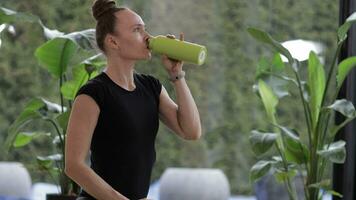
{"points": [[306, 153], [222, 87]]}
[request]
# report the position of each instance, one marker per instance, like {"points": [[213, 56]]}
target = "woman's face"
{"points": [[131, 36]]}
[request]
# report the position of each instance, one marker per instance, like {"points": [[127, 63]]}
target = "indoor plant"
{"points": [[55, 56], [305, 153]]}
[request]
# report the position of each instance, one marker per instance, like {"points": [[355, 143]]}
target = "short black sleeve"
{"points": [[93, 89], [155, 85]]}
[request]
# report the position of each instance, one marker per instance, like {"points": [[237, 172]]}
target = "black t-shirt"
{"points": [[123, 142]]}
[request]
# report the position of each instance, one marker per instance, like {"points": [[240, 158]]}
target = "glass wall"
{"points": [[222, 87]]}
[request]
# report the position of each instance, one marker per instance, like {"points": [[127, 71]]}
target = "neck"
{"points": [[121, 72]]}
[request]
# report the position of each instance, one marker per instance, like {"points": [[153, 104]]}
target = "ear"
{"points": [[111, 42]]}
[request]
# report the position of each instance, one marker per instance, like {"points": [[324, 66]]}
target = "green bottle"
{"points": [[179, 50]]}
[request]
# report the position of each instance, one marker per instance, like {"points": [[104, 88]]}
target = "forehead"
{"points": [[128, 18]]}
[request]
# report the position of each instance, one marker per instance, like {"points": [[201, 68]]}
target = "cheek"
{"points": [[132, 47], [134, 40]]}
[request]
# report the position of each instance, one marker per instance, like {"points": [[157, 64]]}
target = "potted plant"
{"points": [[55, 56], [304, 153]]}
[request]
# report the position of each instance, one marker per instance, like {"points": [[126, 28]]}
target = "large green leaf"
{"points": [[266, 38], [24, 138], [81, 73], [85, 39], [262, 142], [97, 61], [30, 112], [269, 99], [343, 70], [36, 109], [282, 176], [35, 104], [55, 55], [259, 169], [263, 66], [344, 107], [50, 33], [316, 83], [282, 170], [80, 77], [276, 83], [52, 107], [336, 152], [325, 185], [290, 133], [10, 16], [44, 163], [321, 185], [295, 150], [276, 66], [342, 31], [62, 120], [271, 72], [334, 193]]}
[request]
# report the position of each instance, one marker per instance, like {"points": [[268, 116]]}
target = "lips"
{"points": [[147, 43]]}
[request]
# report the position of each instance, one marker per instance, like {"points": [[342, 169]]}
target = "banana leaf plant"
{"points": [[304, 152], [55, 56]]}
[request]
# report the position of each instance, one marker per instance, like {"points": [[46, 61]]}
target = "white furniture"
{"points": [[15, 180], [194, 184]]}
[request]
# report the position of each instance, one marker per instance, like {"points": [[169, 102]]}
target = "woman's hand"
{"points": [[173, 67]]}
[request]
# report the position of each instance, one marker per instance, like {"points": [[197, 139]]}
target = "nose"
{"points": [[147, 36]]}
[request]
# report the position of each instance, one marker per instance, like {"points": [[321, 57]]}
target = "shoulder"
{"points": [[146, 77], [95, 84], [149, 81], [94, 88], [97, 81]]}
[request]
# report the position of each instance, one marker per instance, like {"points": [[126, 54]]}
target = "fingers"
{"points": [[181, 36], [165, 57], [171, 36]]}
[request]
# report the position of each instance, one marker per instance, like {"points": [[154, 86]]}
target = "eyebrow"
{"points": [[138, 25]]}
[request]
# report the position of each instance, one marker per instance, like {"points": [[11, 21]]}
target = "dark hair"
{"points": [[104, 13]]}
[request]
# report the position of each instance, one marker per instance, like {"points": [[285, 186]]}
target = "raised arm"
{"points": [[183, 117], [82, 122]]}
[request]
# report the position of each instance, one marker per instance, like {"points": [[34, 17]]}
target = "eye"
{"points": [[136, 29]]}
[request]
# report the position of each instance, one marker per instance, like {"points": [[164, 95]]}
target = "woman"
{"points": [[116, 114]]}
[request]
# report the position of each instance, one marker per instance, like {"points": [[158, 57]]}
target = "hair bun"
{"points": [[100, 7]]}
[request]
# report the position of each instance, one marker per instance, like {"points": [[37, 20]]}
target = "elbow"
{"points": [[195, 135], [70, 169]]}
